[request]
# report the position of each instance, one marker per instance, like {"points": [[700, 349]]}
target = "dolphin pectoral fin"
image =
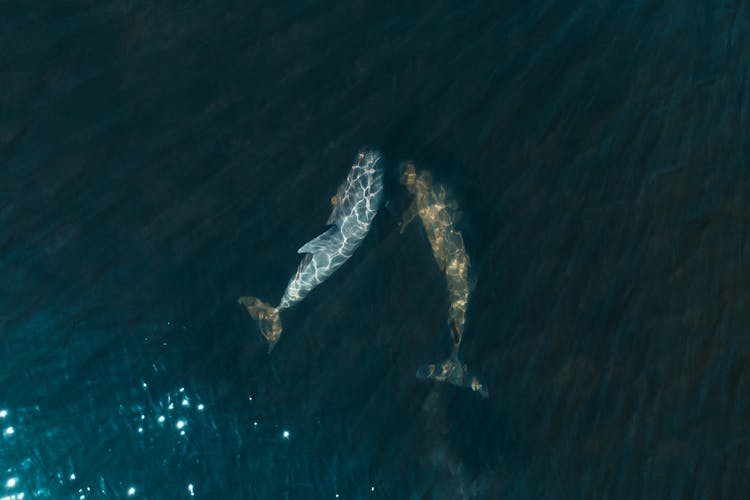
{"points": [[266, 316], [408, 216], [320, 242]]}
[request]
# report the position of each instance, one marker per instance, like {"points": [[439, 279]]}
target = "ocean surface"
{"points": [[160, 159]]}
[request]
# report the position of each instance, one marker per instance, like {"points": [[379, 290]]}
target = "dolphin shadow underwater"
{"points": [[355, 205]]}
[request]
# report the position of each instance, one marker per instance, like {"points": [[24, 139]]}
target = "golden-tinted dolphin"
{"points": [[438, 216]]}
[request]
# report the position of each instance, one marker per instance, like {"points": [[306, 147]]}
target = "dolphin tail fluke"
{"points": [[453, 371], [266, 316], [476, 384]]}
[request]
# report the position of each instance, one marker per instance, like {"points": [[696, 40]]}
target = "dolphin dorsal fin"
{"points": [[320, 242]]}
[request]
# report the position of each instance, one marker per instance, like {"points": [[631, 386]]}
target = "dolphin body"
{"points": [[438, 215], [354, 207]]}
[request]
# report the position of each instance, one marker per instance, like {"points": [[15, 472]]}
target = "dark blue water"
{"points": [[158, 161]]}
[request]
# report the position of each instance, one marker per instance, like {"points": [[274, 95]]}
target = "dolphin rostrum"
{"points": [[438, 216], [354, 207]]}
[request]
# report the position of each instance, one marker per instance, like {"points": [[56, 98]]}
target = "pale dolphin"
{"points": [[438, 216], [354, 207]]}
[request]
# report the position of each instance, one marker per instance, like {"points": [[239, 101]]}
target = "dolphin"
{"points": [[438, 215], [354, 207]]}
